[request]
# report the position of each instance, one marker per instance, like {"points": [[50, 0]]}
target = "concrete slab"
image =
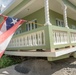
{"points": [[9, 71]]}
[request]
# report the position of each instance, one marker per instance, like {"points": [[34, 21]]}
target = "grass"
{"points": [[6, 61]]}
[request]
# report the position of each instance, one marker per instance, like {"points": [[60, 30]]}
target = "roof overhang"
{"points": [[73, 2], [33, 5]]}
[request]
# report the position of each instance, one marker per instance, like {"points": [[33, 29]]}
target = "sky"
{"points": [[5, 2]]}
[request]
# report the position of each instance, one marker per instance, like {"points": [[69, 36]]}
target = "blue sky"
{"points": [[5, 2]]}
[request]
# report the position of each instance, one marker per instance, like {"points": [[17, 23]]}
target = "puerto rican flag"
{"points": [[7, 29]]}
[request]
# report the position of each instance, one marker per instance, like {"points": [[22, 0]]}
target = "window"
{"points": [[73, 27], [18, 31], [59, 22], [32, 25]]}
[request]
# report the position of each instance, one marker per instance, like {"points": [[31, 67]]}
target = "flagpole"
{"points": [[3, 15]]}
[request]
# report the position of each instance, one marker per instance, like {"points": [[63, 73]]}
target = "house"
{"points": [[50, 30]]}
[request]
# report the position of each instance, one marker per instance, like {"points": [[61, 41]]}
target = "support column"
{"points": [[47, 17], [65, 15]]}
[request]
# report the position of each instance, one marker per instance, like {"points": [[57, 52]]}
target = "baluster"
{"points": [[19, 41], [40, 38], [12, 43], [27, 40], [15, 42], [66, 38], [26, 44], [43, 38], [36, 39], [23, 42], [58, 38], [71, 37], [61, 37], [54, 37], [33, 39], [30, 40]]}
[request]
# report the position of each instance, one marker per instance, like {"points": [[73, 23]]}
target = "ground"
{"points": [[42, 67]]}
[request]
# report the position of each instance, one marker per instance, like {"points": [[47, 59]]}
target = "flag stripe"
{"points": [[7, 30], [3, 22], [4, 45], [5, 35]]}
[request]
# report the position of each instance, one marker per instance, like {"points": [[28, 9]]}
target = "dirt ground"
{"points": [[42, 67]]}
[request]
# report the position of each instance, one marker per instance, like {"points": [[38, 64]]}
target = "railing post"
{"points": [[47, 16], [64, 7]]}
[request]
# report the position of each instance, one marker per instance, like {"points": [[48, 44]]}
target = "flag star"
{"points": [[14, 21]]}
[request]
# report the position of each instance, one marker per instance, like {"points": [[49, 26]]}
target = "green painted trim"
{"points": [[51, 38], [58, 58], [69, 3], [46, 46], [51, 29], [54, 15], [59, 28], [27, 48]]}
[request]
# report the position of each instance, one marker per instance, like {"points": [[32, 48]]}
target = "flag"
{"points": [[7, 30]]}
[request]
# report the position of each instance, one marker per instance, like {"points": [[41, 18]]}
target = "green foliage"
{"points": [[6, 61]]}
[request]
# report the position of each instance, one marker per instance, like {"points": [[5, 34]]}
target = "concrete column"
{"points": [[47, 16], [65, 15]]}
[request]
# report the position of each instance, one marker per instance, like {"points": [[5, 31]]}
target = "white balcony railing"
{"points": [[73, 37], [60, 37], [32, 39]]}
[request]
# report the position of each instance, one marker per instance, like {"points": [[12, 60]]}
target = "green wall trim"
{"points": [[39, 15], [46, 46], [69, 3], [58, 58], [54, 15], [49, 38]]}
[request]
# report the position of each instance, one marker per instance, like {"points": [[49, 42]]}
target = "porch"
{"points": [[47, 40]]}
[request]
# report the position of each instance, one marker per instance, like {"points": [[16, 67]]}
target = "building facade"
{"points": [[50, 30]]}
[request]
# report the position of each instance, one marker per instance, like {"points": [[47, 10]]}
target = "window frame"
{"points": [[59, 21], [74, 26], [31, 26]]}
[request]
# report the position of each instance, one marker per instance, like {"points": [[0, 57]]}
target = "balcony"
{"points": [[52, 41]]}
